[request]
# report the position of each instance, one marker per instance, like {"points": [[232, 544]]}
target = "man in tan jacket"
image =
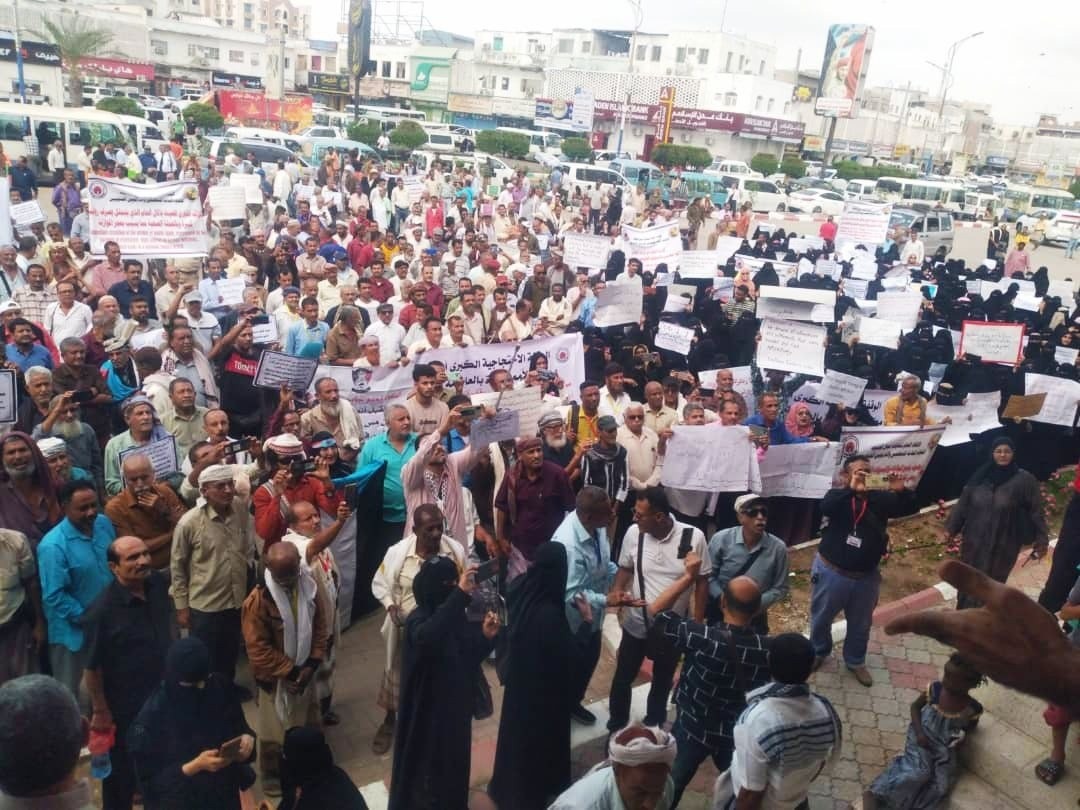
{"points": [[286, 633]]}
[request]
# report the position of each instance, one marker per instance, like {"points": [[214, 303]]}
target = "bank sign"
{"points": [[33, 53]]}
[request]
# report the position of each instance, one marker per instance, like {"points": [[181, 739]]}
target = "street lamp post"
{"points": [[629, 75], [18, 55], [946, 81]]}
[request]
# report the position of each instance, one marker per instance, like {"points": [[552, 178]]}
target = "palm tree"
{"points": [[75, 38]]}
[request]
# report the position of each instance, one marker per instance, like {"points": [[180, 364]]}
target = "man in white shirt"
{"points": [[914, 251], [166, 163], [390, 333], [555, 311], [283, 184], [433, 338], [168, 291], [204, 326], [613, 397], [57, 162], [651, 561], [455, 337], [67, 317]]}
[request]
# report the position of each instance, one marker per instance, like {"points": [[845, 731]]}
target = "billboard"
{"points": [[328, 82], [574, 115], [359, 37], [843, 71]]}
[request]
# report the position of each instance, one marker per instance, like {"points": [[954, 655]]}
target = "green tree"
{"points": [[577, 149], [121, 105], [204, 116], [793, 167], [764, 162], [670, 156], [365, 132], [408, 135], [1074, 188], [508, 144], [75, 38], [696, 157]]}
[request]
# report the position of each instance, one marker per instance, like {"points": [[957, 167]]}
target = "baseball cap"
{"points": [[194, 295], [606, 423], [744, 502]]}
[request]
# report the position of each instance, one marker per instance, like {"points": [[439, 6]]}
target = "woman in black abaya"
{"points": [[442, 651], [532, 759], [309, 778]]}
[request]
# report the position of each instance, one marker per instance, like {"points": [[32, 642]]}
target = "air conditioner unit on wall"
{"points": [[636, 131], [685, 137]]}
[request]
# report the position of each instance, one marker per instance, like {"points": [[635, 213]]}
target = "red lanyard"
{"points": [[858, 517]]}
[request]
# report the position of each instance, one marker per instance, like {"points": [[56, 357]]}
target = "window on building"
{"points": [[386, 70], [316, 62], [212, 53], [192, 50], [639, 52], [761, 68], [254, 60], [288, 65], [769, 106], [524, 86], [758, 103], [249, 8], [248, 25], [730, 99], [505, 83], [264, 27], [159, 47], [497, 44], [236, 56], [727, 64], [742, 62], [655, 55], [399, 70], [703, 56], [680, 55], [566, 46], [586, 46]]}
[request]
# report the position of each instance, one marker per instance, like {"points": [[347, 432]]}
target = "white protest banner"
{"points": [[9, 397], [276, 369], [793, 303], [659, 244], [504, 425], [231, 291], [830, 268], [902, 451], [1023, 286], [710, 458], [265, 333], [414, 187], [723, 288], [876, 332], [27, 213], [618, 303], [842, 389], [856, 288], [874, 401], [993, 341], [979, 413], [698, 264], [527, 403], [785, 271], [864, 223], [163, 219], [564, 354], [162, 453], [1063, 355], [585, 250], [801, 244], [369, 391], [1030, 303], [674, 338], [973, 287], [303, 191], [726, 247], [792, 346], [900, 307], [226, 202], [6, 235], [1062, 396], [1062, 290], [799, 470], [895, 284], [677, 300], [250, 183], [864, 267]]}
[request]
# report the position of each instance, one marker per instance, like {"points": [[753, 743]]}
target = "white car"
{"points": [[547, 160], [816, 201]]}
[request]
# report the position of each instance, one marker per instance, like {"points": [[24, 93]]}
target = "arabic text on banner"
{"points": [[792, 346], [618, 304], [585, 250], [564, 353], [674, 338], [276, 369], [27, 213], [698, 264], [864, 223], [741, 383], [9, 397], [799, 470], [1062, 395], [876, 332], [842, 389], [226, 202], [251, 184], [979, 413], [873, 400], [659, 244], [900, 307], [993, 342], [164, 219], [902, 451], [503, 426], [526, 402], [710, 458], [794, 303], [162, 453]]}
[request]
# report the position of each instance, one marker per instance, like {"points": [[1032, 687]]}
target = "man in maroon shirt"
{"points": [[381, 288]]}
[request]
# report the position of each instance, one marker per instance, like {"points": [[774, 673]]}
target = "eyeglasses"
{"points": [[630, 416], [757, 511]]}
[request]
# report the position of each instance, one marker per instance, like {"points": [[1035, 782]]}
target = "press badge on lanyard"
{"points": [[853, 539]]}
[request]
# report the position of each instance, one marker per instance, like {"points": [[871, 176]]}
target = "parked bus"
{"points": [[694, 185], [1021, 199], [388, 117], [143, 132], [540, 142], [909, 191], [41, 126]]}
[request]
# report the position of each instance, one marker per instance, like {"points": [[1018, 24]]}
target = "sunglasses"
{"points": [[757, 511]]}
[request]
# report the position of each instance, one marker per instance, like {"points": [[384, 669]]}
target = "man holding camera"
{"points": [[292, 478]]}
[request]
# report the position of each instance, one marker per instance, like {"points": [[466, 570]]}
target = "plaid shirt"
{"points": [[34, 303]]}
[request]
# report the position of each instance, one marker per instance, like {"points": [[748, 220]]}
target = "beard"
{"points": [[556, 444], [19, 473], [331, 408], [67, 430]]}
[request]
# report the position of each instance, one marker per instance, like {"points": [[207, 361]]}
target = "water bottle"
{"points": [[100, 744]]}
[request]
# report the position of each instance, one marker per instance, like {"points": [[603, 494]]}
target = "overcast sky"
{"points": [[1022, 65]]}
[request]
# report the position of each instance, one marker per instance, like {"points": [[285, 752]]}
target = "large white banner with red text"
{"points": [[160, 219]]}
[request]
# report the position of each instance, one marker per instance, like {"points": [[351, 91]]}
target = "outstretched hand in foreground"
{"points": [[1011, 638]]}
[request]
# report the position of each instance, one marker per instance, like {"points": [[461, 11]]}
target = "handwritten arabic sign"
{"points": [[902, 451], [792, 346], [9, 397], [585, 250], [162, 453], [864, 223], [164, 219], [993, 341], [660, 244], [617, 304], [277, 369], [475, 363], [710, 458]]}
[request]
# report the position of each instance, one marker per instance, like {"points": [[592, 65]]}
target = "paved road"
{"points": [[970, 246]]}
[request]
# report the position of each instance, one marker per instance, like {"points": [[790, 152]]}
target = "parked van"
{"points": [[486, 165], [935, 227], [442, 141], [721, 166], [273, 136], [92, 94], [264, 155], [692, 186], [74, 127], [587, 177], [760, 193], [860, 190], [314, 149], [638, 172]]}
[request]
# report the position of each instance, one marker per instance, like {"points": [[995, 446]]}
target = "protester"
{"points": [[23, 633], [309, 778]]}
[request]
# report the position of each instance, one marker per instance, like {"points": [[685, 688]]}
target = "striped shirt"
{"points": [[710, 697], [786, 738]]}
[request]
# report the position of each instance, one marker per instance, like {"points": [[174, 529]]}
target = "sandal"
{"points": [[1050, 772]]}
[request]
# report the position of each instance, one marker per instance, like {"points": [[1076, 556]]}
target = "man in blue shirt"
{"points": [[133, 286], [768, 417], [590, 572], [309, 330], [74, 570], [23, 352]]}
